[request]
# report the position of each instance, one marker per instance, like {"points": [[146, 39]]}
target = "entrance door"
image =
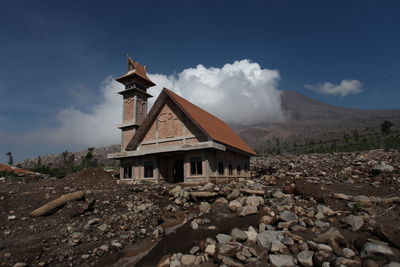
{"points": [[177, 171]]}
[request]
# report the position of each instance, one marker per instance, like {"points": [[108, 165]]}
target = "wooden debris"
{"points": [[57, 203]]}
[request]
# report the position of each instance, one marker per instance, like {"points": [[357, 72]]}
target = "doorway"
{"points": [[177, 171]]}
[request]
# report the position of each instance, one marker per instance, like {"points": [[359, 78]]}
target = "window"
{"points": [[238, 170], [220, 168], [245, 167], [127, 172], [230, 169], [196, 166], [148, 169]]}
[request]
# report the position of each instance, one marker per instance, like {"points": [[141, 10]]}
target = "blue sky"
{"points": [[55, 55]]}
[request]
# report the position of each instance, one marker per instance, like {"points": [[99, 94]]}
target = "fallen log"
{"points": [[251, 191], [57, 203]]}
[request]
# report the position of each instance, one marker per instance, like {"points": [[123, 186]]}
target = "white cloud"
{"points": [[241, 92], [345, 87]]}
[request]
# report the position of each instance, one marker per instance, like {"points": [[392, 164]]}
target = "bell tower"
{"points": [[135, 98]]}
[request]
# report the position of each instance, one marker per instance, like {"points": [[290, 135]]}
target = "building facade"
{"points": [[176, 141]]}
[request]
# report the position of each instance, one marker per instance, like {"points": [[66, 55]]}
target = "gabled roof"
{"points": [[134, 68], [213, 127]]}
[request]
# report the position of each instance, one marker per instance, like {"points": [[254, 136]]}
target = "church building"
{"points": [[176, 141]]}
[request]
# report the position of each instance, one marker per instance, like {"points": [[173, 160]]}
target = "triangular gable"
{"points": [[210, 125]]}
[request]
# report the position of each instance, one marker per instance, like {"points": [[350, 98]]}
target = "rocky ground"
{"points": [[338, 209]]}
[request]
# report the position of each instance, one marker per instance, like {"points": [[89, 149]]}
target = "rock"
{"points": [[103, 227], [278, 247], [205, 207], [279, 260], [229, 248], [392, 264], [254, 201], [341, 196], [348, 253], [268, 237], [324, 247], [389, 233], [20, 264], [247, 210], [116, 244], [305, 258], [356, 222], [228, 261], [175, 263], [238, 234], [251, 234], [362, 199], [188, 259], [194, 250], [347, 262], [278, 194], [234, 194], [104, 247], [223, 238], [77, 235], [324, 210], [373, 248], [234, 205], [322, 224], [11, 217], [175, 191], [267, 219], [380, 168], [333, 238], [210, 250], [194, 225], [288, 216], [288, 241]]}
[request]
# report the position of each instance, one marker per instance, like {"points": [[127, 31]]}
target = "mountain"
{"points": [[309, 118]]}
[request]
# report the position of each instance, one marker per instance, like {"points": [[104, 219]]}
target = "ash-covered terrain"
{"points": [[339, 209]]}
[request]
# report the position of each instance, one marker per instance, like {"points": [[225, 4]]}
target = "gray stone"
{"points": [[340, 261], [175, 263], [280, 260], [287, 241], [229, 248], [379, 168], [348, 253], [268, 237], [356, 222], [194, 250], [362, 199], [251, 234], [324, 210], [234, 194], [324, 247], [254, 201], [238, 234], [305, 258], [234, 205], [194, 225], [373, 248], [278, 194], [228, 261], [247, 210], [322, 224], [223, 238], [188, 259], [210, 250], [104, 247], [205, 207], [288, 216], [392, 264]]}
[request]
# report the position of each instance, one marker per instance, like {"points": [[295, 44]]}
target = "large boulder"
{"points": [[356, 222], [247, 210], [280, 260]]}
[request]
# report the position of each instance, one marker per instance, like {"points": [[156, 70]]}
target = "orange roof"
{"points": [[8, 168], [215, 128], [135, 68]]}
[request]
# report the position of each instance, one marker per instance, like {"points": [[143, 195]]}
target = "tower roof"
{"points": [[135, 69]]}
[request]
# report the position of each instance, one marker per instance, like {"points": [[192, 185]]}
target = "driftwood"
{"points": [[251, 192], [195, 195], [57, 203]]}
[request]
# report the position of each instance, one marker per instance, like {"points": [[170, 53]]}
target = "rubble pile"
{"points": [[340, 209]]}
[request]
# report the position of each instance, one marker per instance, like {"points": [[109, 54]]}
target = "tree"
{"points": [[385, 127], [10, 158]]}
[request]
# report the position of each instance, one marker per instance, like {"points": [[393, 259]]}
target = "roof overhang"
{"points": [[165, 149]]}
